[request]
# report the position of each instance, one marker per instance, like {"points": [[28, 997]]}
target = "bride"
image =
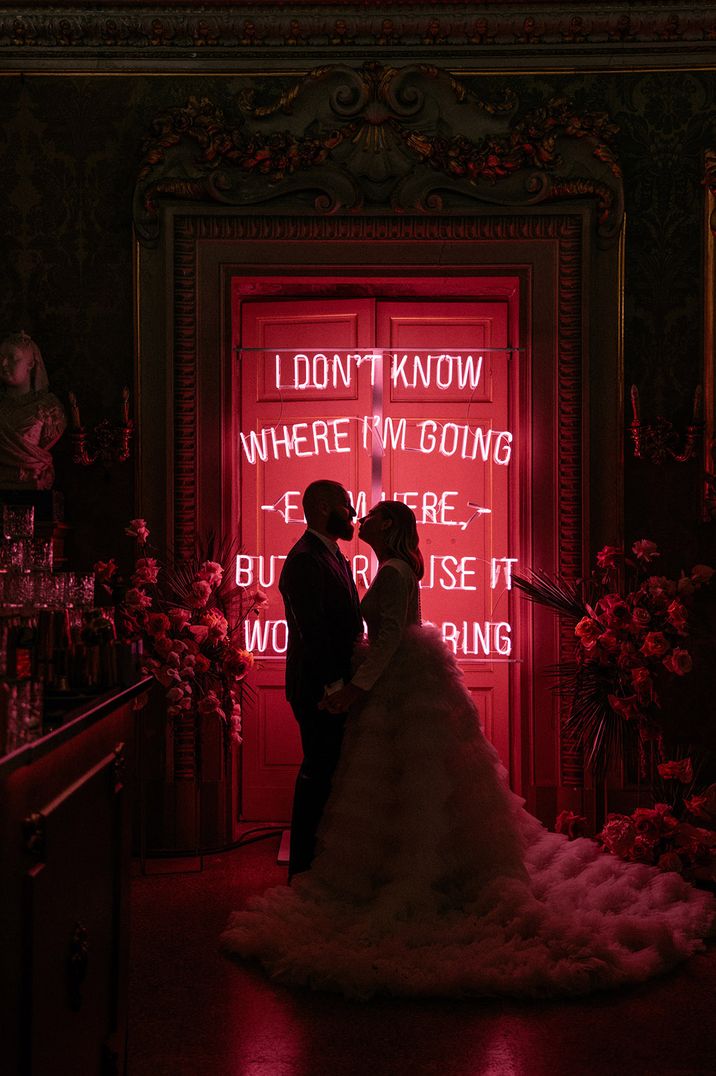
{"points": [[430, 877]]}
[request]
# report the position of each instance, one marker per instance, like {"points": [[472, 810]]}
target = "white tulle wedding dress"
{"points": [[431, 879]]}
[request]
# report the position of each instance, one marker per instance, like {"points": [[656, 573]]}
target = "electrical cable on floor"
{"points": [[262, 832]]}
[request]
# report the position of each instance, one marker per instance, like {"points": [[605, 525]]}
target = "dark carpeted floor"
{"points": [[195, 1013]]}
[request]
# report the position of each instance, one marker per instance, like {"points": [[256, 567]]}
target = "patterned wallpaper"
{"points": [[69, 151]]}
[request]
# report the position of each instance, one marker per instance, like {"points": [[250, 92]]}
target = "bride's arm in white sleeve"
{"points": [[393, 594], [391, 589]]}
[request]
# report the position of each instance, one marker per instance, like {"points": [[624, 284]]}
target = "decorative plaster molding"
{"points": [[410, 140], [155, 35]]}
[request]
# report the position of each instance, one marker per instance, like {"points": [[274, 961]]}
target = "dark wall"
{"points": [[69, 152]]}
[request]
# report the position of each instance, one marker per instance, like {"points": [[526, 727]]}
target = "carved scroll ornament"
{"points": [[409, 139]]}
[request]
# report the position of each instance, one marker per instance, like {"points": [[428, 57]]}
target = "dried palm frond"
{"points": [[561, 595]]}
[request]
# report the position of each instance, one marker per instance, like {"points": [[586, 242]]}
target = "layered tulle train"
{"points": [[432, 879]]}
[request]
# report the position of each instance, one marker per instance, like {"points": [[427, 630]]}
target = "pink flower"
{"points": [[137, 599], [660, 588], [643, 849], [609, 556], [618, 835], [701, 573], [211, 704], [654, 822], [677, 615], [640, 617], [645, 551], [199, 593], [216, 624], [146, 571], [104, 570], [199, 632], [202, 663], [574, 825], [179, 618], [618, 613], [157, 624], [210, 572], [175, 694], [682, 771], [237, 662], [587, 630], [655, 644], [609, 642], [138, 529], [679, 662], [257, 600], [163, 645]]}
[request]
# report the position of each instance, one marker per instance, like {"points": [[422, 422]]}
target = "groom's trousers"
{"points": [[321, 736]]}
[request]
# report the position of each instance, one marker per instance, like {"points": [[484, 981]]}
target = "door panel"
{"points": [[397, 399], [309, 402]]}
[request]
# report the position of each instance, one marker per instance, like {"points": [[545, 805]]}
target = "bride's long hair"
{"points": [[402, 538]]}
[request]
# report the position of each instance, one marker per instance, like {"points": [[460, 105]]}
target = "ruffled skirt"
{"points": [[432, 880]]}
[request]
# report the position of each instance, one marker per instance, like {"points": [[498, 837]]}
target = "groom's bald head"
{"points": [[328, 509]]}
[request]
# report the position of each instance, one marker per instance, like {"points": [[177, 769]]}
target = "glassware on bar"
{"points": [[18, 520]]}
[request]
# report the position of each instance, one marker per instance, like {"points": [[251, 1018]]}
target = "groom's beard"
{"points": [[338, 527]]}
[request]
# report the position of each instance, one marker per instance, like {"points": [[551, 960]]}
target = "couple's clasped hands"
{"points": [[337, 702]]}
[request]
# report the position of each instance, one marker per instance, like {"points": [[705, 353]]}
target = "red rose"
{"points": [[655, 644], [199, 593], [681, 771], [679, 662], [645, 550], [609, 556], [237, 662], [678, 616], [574, 825], [157, 624], [201, 663], [618, 835], [654, 822], [587, 631], [640, 617]]}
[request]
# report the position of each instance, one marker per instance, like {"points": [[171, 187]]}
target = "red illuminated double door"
{"points": [[409, 400]]}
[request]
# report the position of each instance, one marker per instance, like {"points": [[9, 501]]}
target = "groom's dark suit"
{"points": [[324, 621]]}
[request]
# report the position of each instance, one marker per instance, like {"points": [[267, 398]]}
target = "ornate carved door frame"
{"points": [[560, 233]]}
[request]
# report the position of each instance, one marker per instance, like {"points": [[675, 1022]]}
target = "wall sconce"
{"points": [[658, 441], [107, 441]]}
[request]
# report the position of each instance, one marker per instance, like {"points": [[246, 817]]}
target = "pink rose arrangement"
{"points": [[632, 633], [183, 616], [673, 838]]}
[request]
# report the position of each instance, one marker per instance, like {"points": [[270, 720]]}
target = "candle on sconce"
{"points": [[125, 405], [698, 406], [635, 403], [74, 411]]}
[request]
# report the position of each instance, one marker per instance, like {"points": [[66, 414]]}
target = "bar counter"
{"points": [[65, 847]]}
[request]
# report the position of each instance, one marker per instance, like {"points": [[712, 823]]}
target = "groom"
{"points": [[324, 621]]}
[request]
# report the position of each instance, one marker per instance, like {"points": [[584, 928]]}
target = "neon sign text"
{"points": [[320, 371], [468, 637], [442, 571], [305, 439]]}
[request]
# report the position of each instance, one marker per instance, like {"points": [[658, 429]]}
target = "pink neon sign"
{"points": [[437, 441]]}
